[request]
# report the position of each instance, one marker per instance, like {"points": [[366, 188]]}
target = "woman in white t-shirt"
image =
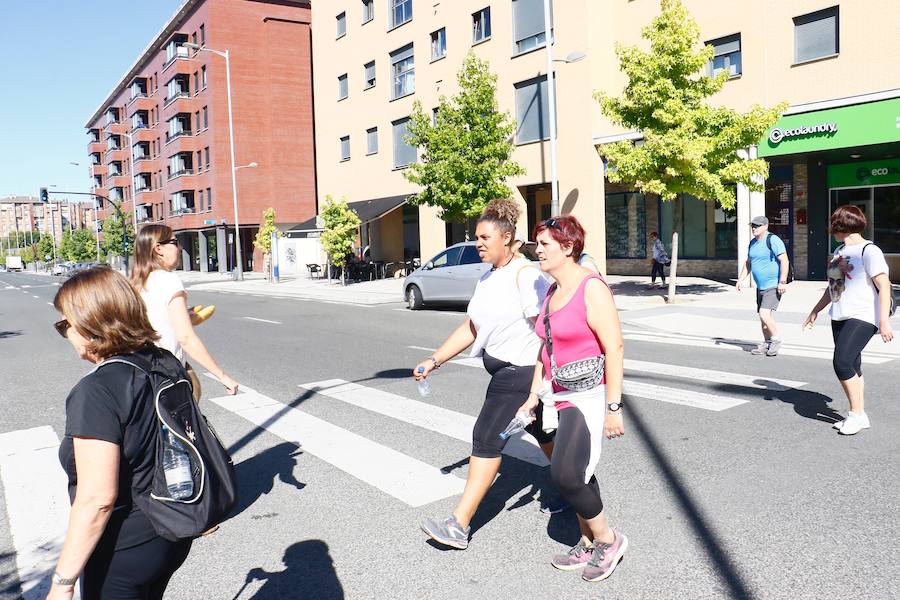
{"points": [[859, 291], [157, 254], [500, 329]]}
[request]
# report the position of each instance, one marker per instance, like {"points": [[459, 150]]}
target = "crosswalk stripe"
{"points": [[711, 376], [403, 477], [691, 398], [421, 414], [824, 353], [36, 502]]}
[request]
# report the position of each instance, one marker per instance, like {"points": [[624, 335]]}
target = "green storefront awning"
{"points": [[864, 174], [845, 127]]}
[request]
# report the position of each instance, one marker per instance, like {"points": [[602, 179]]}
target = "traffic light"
{"points": [[45, 196]]}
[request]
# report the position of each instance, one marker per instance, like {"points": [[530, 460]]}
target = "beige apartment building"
{"points": [[27, 215], [833, 61]]}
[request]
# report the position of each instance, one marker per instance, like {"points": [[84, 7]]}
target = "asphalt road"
{"points": [[760, 500]]}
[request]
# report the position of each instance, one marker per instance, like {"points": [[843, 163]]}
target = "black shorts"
{"points": [[767, 299]]}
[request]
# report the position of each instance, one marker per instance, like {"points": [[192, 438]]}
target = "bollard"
{"points": [[673, 268]]}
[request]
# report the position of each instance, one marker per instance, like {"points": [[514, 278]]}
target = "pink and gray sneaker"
{"points": [[576, 558], [606, 558]]}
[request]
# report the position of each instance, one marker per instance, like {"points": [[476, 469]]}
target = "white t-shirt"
{"points": [[850, 274], [505, 301], [159, 290]]}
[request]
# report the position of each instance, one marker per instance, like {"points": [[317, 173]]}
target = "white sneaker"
{"points": [[854, 423], [837, 424]]}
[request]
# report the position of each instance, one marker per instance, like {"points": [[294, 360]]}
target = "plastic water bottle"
{"points": [[519, 423], [422, 384], [177, 468]]}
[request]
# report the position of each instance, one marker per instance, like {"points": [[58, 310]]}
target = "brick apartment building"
{"points": [[28, 215], [170, 112]]}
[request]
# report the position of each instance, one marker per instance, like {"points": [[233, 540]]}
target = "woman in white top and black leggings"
{"points": [[859, 291], [500, 329]]}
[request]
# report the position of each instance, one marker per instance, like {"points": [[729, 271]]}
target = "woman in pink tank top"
{"points": [[583, 323]]}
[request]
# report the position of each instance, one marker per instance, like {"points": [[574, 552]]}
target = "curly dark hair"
{"points": [[504, 213]]}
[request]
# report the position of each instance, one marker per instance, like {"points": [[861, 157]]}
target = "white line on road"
{"points": [[680, 396], [33, 296], [36, 502], [264, 320], [421, 414], [50, 303], [421, 348], [711, 376], [403, 477]]}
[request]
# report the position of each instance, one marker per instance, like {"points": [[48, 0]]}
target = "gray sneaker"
{"points": [[761, 349], [447, 531], [606, 558], [774, 346]]}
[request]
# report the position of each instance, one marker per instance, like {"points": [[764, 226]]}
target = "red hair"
{"points": [[566, 231]]}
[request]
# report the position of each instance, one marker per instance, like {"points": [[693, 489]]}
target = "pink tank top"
{"points": [[573, 338]]}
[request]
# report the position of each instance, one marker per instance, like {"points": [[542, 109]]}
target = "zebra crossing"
{"points": [[35, 486]]}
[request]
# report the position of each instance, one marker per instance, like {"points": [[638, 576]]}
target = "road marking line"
{"points": [[421, 414], [36, 502], [33, 296], [50, 303], [711, 376], [680, 396], [825, 353], [435, 312], [25, 286], [263, 320], [403, 477], [423, 348]]}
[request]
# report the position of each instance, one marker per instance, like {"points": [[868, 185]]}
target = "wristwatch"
{"points": [[614, 406], [60, 580]]}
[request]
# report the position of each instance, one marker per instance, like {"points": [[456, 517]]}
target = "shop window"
{"points": [[726, 56], [626, 225], [816, 35], [887, 219], [705, 230]]}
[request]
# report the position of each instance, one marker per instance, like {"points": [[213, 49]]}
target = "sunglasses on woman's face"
{"points": [[173, 241], [62, 327]]}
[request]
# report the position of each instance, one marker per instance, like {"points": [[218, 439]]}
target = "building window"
{"points": [[199, 160], [626, 225], [372, 140], [404, 153], [207, 158], [205, 118], [208, 198], [200, 203], [401, 12], [369, 75], [816, 35], [705, 229], [434, 116], [341, 24], [439, 43], [726, 56], [528, 24], [345, 148], [403, 71], [532, 113], [203, 77], [368, 12], [197, 119], [196, 82], [342, 86], [481, 25], [202, 35]]}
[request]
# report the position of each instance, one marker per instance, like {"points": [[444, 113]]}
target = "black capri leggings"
{"points": [[507, 391], [138, 573], [657, 269], [850, 337], [571, 456]]}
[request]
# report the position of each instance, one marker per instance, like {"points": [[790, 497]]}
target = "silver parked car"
{"points": [[449, 277]]}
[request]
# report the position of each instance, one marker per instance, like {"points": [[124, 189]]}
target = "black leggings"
{"points": [[507, 391], [138, 573], [571, 456], [850, 337], [658, 269]]}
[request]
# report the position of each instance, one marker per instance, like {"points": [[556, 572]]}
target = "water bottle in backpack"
{"points": [[177, 467]]}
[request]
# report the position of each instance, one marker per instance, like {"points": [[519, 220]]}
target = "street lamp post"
{"points": [[238, 266], [551, 104], [133, 195], [96, 212]]}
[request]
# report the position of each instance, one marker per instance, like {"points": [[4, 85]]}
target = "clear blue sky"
{"points": [[58, 61]]}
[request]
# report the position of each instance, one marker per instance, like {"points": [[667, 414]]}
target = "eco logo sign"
{"points": [[777, 135], [864, 173]]}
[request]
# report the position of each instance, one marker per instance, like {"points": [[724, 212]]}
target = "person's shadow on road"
{"points": [[256, 475], [309, 573]]}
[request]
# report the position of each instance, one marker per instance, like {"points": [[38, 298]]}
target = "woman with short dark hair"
{"points": [[108, 452], [580, 371], [859, 291]]}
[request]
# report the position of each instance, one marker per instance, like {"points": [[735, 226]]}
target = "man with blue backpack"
{"points": [[767, 261]]}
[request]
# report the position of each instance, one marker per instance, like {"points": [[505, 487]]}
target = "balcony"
{"points": [[98, 169], [175, 52], [144, 213], [97, 147], [181, 203]]}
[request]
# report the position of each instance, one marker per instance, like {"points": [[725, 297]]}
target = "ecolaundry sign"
{"points": [[864, 174], [845, 127]]}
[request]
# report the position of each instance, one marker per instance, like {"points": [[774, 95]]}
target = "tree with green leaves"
{"points": [[44, 247], [689, 146], [79, 245], [466, 152], [27, 255], [116, 232], [263, 239], [341, 226]]}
